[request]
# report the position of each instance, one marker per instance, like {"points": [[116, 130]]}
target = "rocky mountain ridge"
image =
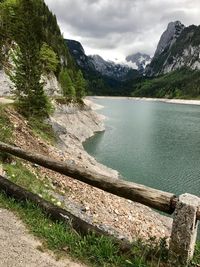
{"points": [[139, 61], [179, 46], [96, 63], [109, 68]]}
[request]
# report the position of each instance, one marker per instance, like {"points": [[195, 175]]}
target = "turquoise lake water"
{"points": [[153, 143]]}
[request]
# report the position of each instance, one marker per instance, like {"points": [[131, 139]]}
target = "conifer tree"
{"points": [[67, 84], [80, 85], [32, 100]]}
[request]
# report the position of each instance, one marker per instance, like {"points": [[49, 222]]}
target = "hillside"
{"points": [[183, 83], [175, 68], [36, 46]]}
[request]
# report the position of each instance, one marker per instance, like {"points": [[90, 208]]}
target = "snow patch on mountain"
{"points": [[139, 61], [109, 68]]}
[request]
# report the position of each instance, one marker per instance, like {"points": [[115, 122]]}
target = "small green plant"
{"points": [[196, 258], [42, 129], [20, 175], [6, 130]]}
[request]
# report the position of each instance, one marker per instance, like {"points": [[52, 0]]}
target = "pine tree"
{"points": [[80, 85], [32, 100], [67, 84]]}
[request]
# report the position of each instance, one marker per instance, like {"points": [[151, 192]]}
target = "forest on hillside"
{"points": [[32, 45]]}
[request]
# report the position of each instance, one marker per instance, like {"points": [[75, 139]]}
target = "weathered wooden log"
{"points": [[58, 214], [153, 198], [157, 199]]}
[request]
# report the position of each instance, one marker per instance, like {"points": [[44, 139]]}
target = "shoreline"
{"points": [[121, 217], [163, 100]]}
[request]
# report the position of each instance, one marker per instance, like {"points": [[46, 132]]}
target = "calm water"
{"points": [[152, 143]]}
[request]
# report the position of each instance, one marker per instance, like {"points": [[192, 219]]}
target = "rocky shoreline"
{"points": [[164, 100], [73, 124], [122, 217]]}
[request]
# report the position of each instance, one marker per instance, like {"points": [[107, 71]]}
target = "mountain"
{"points": [[110, 68], [174, 71], [77, 51], [162, 54], [139, 61], [95, 63], [179, 47], [103, 77]]}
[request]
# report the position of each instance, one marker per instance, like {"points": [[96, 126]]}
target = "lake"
{"points": [[152, 143]]}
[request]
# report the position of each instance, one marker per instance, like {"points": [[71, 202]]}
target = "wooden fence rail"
{"points": [[153, 198], [186, 207]]}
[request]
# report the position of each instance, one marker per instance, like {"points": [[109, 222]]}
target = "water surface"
{"points": [[153, 143]]}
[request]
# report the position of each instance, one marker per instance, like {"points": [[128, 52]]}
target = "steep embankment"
{"points": [[74, 124], [117, 215]]}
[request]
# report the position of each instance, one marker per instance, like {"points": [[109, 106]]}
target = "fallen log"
{"points": [[153, 198], [58, 214]]}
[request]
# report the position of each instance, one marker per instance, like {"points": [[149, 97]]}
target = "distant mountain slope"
{"points": [[179, 47], [182, 83], [97, 63], [110, 68], [104, 77], [139, 61], [77, 51]]}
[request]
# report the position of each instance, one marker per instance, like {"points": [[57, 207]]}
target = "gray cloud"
{"points": [[115, 28]]}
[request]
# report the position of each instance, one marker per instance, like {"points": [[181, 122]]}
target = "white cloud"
{"points": [[116, 28]]}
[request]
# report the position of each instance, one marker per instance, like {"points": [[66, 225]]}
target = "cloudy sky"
{"points": [[117, 28]]}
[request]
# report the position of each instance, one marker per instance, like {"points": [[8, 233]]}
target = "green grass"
{"points": [[6, 130], [42, 129], [94, 251], [5, 125], [196, 259], [60, 237], [20, 175]]}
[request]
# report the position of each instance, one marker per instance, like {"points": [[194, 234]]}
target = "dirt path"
{"points": [[18, 248]]}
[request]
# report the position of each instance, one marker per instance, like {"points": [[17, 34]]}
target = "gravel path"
{"points": [[18, 248]]}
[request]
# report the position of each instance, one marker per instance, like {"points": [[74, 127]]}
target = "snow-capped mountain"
{"points": [[109, 68], [95, 63], [139, 61]]}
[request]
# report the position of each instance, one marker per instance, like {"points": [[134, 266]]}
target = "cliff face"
{"points": [[178, 47], [169, 37], [51, 84], [5, 84]]}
